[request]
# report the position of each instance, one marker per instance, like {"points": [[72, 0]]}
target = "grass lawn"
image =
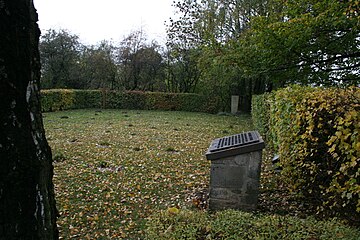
{"points": [[119, 172], [114, 168]]}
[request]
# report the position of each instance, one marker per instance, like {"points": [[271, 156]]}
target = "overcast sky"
{"points": [[96, 20]]}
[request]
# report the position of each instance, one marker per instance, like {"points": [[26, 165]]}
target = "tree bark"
{"points": [[27, 200]]}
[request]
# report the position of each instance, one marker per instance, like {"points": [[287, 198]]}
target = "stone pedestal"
{"points": [[234, 182], [235, 171]]}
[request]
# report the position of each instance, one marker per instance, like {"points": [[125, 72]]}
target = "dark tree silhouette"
{"points": [[27, 202]]}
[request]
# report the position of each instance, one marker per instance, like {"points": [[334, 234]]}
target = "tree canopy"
{"points": [[252, 46], [309, 42], [60, 54]]}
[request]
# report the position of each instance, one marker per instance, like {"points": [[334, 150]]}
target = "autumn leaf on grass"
{"points": [[173, 210]]}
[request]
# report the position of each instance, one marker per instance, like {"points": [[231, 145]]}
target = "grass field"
{"points": [[113, 168], [119, 172]]}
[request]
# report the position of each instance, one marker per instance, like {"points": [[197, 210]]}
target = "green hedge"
{"points": [[87, 99], [126, 100], [316, 133], [231, 224], [260, 111], [62, 99], [180, 102], [55, 100]]}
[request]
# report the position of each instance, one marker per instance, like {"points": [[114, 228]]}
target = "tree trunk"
{"points": [[27, 200]]}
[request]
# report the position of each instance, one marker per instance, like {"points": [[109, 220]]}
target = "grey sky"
{"points": [[97, 20]]}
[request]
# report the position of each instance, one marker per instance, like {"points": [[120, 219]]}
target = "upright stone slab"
{"points": [[234, 104], [235, 171]]}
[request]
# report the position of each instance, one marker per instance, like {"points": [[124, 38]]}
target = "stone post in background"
{"points": [[234, 104]]}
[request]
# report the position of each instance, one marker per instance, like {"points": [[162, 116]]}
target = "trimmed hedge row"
{"points": [[63, 99], [316, 132]]}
